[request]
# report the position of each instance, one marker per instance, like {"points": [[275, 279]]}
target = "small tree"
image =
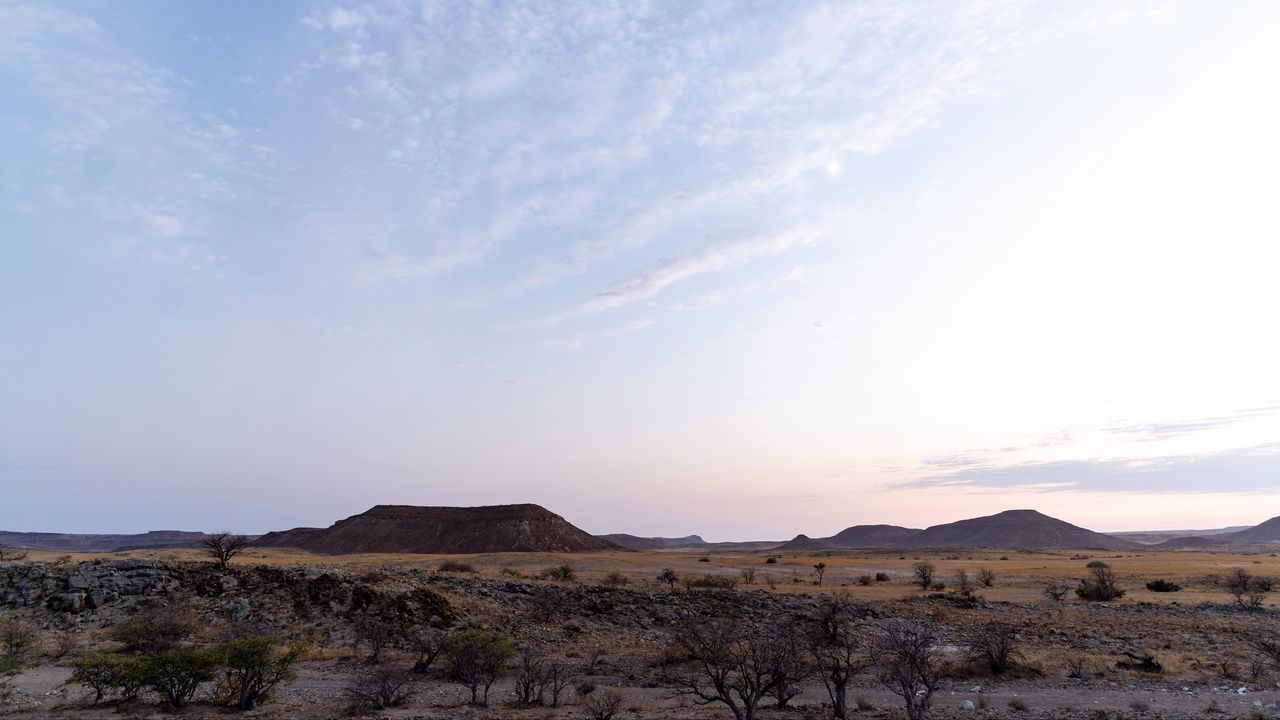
{"points": [[790, 661], [1057, 591], [223, 546], [908, 661], [923, 572], [558, 678], [820, 569], [1242, 586], [255, 666], [376, 632], [19, 639], [156, 629], [733, 664], [669, 577], [837, 653], [964, 585], [531, 675], [476, 660], [748, 576]]}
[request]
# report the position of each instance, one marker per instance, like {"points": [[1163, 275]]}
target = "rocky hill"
{"points": [[633, 542], [66, 542], [413, 529], [871, 536], [1267, 532], [1021, 529], [801, 543]]}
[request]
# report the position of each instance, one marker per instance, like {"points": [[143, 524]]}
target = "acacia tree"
{"points": [[837, 653], [909, 661], [669, 577], [223, 546], [734, 664]]}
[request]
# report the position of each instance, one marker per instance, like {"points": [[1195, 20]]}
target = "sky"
{"points": [[740, 269]]}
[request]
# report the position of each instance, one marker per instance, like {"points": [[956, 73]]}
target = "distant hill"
{"points": [[1020, 529], [65, 542], [633, 542], [1267, 532], [1192, 542], [871, 536], [1153, 537], [430, 530], [801, 543]]}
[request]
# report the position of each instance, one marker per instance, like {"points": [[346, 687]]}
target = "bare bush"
{"points": [[923, 573], [820, 569], [1057, 591], [531, 675], [669, 577], [1101, 586], [614, 579], [864, 579], [1243, 587], [908, 661], [748, 576], [994, 645], [604, 705], [223, 546], [19, 642], [428, 643], [380, 688], [455, 566], [559, 573], [986, 577], [376, 633]]}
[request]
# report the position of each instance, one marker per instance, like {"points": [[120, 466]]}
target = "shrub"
{"points": [[380, 688], [108, 674], [176, 674], [19, 640], [923, 572], [864, 579], [559, 573], [476, 660], [614, 579], [1018, 705], [882, 577], [995, 646], [1097, 564], [455, 566], [255, 666], [1056, 591], [669, 577], [1100, 586], [1163, 586], [986, 577], [605, 705], [771, 560], [156, 630], [909, 661], [704, 558]]}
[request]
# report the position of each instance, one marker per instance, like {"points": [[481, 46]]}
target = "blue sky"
{"points": [[744, 269]]}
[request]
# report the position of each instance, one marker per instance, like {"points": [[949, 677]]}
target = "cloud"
{"points": [[1166, 430], [1251, 469]]}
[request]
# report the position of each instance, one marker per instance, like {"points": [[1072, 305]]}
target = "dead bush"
{"points": [[455, 566], [380, 688], [604, 705], [994, 645], [1101, 586], [907, 659]]}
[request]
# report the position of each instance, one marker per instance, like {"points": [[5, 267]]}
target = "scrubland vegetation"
{"points": [[827, 634]]}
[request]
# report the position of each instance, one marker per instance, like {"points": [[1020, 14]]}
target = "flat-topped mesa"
{"points": [[440, 530]]}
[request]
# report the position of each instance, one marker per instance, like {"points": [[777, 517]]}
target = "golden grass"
{"points": [[1021, 575]]}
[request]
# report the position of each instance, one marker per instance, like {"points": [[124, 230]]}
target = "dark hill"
{"points": [[802, 542], [634, 542], [65, 542], [1016, 529], [1190, 542], [871, 536], [412, 529], [1268, 531]]}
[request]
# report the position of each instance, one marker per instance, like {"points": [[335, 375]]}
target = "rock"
{"points": [[966, 705]]}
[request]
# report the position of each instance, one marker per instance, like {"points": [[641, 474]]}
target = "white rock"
{"points": [[966, 705]]}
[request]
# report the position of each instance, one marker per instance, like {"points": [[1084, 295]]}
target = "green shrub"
{"points": [[176, 675], [109, 674], [255, 666]]}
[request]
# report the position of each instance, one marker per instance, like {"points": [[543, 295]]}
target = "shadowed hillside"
{"points": [[1023, 529], [412, 529]]}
